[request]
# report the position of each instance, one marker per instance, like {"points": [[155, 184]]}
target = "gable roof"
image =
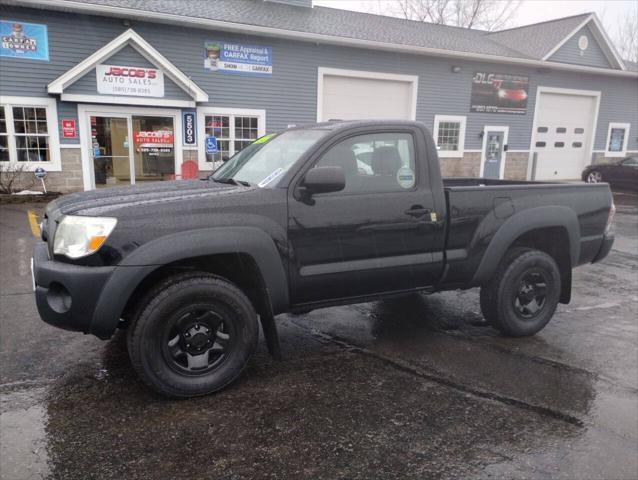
{"points": [[538, 39], [523, 45], [129, 37]]}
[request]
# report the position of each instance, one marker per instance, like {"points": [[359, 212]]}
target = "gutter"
{"points": [[256, 30]]}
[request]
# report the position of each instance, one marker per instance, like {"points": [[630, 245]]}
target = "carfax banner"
{"points": [[238, 58], [24, 40], [499, 93]]}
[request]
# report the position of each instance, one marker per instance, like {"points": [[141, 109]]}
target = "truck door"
{"points": [[379, 234]]}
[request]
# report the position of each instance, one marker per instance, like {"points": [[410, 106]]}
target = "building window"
{"points": [[449, 132], [29, 132], [617, 138], [234, 129], [4, 137]]}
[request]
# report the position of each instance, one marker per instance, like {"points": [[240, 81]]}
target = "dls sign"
{"points": [[129, 81]]}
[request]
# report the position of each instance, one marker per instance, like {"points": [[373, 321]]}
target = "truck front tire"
{"points": [[522, 296], [193, 335]]}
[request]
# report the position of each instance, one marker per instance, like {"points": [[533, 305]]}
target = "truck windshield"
{"points": [[267, 161]]}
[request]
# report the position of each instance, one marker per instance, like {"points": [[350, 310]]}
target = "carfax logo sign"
{"points": [[238, 58], [24, 40]]}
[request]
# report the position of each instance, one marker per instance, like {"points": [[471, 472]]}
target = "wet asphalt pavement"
{"points": [[417, 387]]}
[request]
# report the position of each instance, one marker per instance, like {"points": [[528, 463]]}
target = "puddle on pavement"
{"points": [[23, 442]]}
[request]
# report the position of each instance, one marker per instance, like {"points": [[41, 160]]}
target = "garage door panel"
{"points": [[351, 98], [564, 129]]}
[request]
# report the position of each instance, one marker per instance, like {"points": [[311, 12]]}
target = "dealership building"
{"points": [[112, 92]]}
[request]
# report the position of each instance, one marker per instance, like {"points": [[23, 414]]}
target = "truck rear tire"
{"points": [[522, 296], [193, 335]]}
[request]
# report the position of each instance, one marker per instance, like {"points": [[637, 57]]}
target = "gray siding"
{"points": [[127, 57], [593, 56], [289, 96], [70, 111]]}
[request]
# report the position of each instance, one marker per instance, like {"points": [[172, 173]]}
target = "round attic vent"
{"points": [[583, 42]]}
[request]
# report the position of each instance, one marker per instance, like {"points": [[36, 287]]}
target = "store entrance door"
{"points": [[128, 148], [110, 151]]}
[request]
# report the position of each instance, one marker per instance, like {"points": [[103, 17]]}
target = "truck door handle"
{"points": [[417, 211]]}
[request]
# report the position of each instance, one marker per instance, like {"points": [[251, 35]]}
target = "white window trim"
{"points": [[623, 153], [413, 80], [54, 165], [451, 118], [231, 112]]}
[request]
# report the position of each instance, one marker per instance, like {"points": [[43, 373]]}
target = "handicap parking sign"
{"points": [[211, 145]]}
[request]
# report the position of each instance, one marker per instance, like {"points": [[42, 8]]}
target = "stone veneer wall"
{"points": [[469, 165], [66, 181], [599, 158], [466, 166], [516, 166], [70, 178]]}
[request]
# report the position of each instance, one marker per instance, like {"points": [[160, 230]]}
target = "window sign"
{"points": [[153, 142], [616, 139], [211, 145], [24, 40], [190, 135], [129, 81], [68, 128], [499, 93], [237, 58]]}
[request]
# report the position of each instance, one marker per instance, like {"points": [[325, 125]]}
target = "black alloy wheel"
{"points": [[530, 299], [192, 335]]}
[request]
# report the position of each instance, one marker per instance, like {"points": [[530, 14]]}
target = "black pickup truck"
{"points": [[327, 214]]}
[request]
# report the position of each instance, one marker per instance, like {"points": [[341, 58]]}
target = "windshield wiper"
{"points": [[232, 181], [228, 181]]}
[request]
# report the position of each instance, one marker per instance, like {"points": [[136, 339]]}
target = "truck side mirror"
{"points": [[324, 180]]}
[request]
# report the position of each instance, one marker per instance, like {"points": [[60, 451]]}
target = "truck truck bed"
{"points": [[480, 209]]}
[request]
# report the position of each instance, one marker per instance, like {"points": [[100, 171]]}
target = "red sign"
{"points": [[68, 128], [159, 138], [131, 72]]}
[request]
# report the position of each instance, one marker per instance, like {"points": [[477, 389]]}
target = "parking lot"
{"points": [[414, 387]]}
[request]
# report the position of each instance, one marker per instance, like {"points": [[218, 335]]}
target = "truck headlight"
{"points": [[78, 237]]}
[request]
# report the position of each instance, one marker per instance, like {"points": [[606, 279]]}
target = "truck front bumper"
{"points": [[67, 295]]}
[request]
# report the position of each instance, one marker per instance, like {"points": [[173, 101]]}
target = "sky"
{"points": [[611, 12]]}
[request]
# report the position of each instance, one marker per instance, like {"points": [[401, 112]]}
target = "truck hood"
{"points": [[109, 200]]}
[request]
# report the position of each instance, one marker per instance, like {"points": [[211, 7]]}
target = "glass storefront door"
{"points": [[110, 151], [154, 148], [118, 161]]}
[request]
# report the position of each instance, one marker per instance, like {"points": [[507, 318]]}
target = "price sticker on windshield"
{"points": [[270, 177]]}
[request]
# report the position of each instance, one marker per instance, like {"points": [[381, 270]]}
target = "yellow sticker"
{"points": [[264, 139], [433, 217]]}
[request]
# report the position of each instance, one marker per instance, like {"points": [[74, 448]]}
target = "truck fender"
{"points": [[179, 246], [521, 223]]}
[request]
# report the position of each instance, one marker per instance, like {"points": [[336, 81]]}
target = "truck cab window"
{"points": [[379, 162]]}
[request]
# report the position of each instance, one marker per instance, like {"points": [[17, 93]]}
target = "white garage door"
{"points": [[352, 98], [562, 140]]}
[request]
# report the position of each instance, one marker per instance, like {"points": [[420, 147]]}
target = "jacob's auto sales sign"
{"points": [[153, 142], [129, 81]]}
